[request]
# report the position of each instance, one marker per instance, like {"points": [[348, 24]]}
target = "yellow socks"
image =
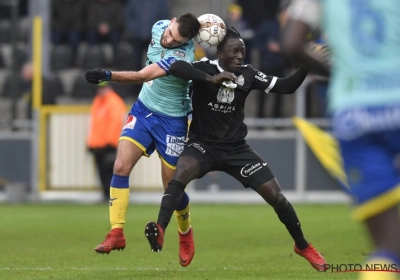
{"points": [[183, 219], [119, 200]]}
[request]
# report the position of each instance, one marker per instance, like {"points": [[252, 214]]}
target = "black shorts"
{"points": [[237, 160]]}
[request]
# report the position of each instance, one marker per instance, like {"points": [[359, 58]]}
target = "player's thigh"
{"points": [[128, 154], [138, 129], [196, 160], [372, 175], [248, 168], [169, 136]]}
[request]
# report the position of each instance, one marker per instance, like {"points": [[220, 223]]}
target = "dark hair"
{"points": [[188, 25], [231, 32]]}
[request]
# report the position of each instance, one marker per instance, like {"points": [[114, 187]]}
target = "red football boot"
{"points": [[186, 247], [115, 240], [313, 257]]}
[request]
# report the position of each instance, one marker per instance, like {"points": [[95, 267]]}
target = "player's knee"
{"points": [[280, 201], [121, 168], [187, 169]]}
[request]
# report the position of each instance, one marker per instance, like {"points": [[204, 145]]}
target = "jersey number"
{"points": [[367, 26]]}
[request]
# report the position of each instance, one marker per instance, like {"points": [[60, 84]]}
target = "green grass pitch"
{"points": [[56, 241]]}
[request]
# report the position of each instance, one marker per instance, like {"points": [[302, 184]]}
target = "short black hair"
{"points": [[231, 32], [189, 25]]}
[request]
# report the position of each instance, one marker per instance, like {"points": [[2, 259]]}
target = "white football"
{"points": [[212, 31]]}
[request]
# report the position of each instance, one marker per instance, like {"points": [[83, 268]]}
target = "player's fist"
{"points": [[97, 75]]}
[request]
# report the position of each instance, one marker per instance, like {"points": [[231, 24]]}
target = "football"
{"points": [[212, 31]]}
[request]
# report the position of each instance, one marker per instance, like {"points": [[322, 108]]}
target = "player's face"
{"points": [[171, 37], [232, 55]]}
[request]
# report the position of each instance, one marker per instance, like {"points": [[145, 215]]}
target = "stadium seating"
{"points": [[5, 31], [82, 89], [93, 57], [126, 91], [61, 57], [123, 59]]}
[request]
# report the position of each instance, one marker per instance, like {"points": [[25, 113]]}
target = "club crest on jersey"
{"points": [[162, 54], [240, 80], [225, 95], [180, 54]]}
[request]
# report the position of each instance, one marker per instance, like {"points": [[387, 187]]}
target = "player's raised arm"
{"points": [[304, 17], [187, 71], [148, 73]]}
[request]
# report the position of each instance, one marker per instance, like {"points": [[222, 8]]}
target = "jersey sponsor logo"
{"points": [[130, 122], [250, 169], [175, 145], [261, 77], [180, 54], [198, 147], [221, 108], [240, 80], [349, 124]]}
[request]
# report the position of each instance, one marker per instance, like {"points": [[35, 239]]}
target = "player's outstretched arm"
{"points": [[290, 84], [150, 72], [187, 71], [294, 46]]}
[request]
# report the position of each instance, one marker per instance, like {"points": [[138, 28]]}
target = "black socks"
{"points": [[288, 217], [170, 202]]}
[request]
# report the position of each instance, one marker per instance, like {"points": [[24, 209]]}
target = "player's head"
{"points": [[180, 30], [231, 51]]}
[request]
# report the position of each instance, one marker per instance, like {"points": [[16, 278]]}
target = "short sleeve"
{"points": [[307, 11]]}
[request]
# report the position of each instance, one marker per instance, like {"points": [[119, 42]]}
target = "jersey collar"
{"points": [[216, 63]]}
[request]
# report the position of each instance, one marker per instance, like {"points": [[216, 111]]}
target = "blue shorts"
{"points": [[149, 131], [371, 157]]}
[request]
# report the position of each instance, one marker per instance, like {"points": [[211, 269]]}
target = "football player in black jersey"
{"points": [[217, 138]]}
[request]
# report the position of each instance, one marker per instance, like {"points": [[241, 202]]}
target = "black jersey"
{"points": [[218, 111]]}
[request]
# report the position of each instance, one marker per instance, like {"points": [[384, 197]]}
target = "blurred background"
{"points": [[47, 45]]}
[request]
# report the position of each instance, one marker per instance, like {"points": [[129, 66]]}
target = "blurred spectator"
{"points": [[236, 20], [105, 22], [199, 52], [107, 116], [51, 88], [6, 9], [272, 62], [254, 12], [140, 17], [68, 22]]}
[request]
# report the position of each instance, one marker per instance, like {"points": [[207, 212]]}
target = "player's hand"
{"points": [[322, 50], [97, 75], [225, 78]]}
